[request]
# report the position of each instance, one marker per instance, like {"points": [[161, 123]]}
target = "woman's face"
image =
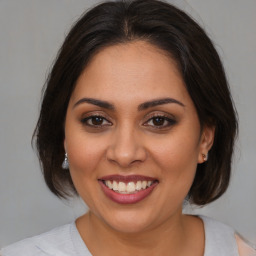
{"points": [[133, 137]]}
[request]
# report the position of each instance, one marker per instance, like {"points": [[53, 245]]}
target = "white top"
{"points": [[66, 241]]}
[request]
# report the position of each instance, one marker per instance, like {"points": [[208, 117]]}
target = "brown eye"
{"points": [[96, 121], [158, 121]]}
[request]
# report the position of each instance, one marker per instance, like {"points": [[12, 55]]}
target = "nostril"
{"points": [[126, 156]]}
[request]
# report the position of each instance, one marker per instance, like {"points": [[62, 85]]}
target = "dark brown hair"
{"points": [[169, 29]]}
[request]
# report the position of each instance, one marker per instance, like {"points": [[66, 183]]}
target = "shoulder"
{"points": [[244, 247], [221, 239], [54, 242], [214, 227]]}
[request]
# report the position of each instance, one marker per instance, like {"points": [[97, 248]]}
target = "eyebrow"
{"points": [[99, 103], [157, 102], [143, 106]]}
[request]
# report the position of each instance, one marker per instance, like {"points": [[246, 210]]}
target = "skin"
{"points": [[131, 142], [244, 248]]}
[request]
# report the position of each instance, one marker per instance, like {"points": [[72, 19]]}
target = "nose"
{"points": [[126, 147]]}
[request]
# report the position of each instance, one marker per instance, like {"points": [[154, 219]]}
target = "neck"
{"points": [[170, 238]]}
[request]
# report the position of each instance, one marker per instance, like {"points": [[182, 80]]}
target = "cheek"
{"points": [[84, 155], [84, 159], [84, 151], [178, 165], [177, 158]]}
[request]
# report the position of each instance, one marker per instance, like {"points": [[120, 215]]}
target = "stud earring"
{"points": [[205, 157], [65, 164]]}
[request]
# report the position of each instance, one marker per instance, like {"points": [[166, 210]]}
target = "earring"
{"points": [[205, 157], [65, 164]]}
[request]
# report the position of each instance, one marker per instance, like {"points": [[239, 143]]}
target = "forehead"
{"points": [[131, 71]]}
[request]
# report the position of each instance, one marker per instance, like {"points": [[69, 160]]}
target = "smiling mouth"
{"points": [[127, 189]]}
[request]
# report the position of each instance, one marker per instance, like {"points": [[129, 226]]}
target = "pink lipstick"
{"points": [[127, 189]]}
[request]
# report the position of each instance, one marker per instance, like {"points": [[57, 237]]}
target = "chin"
{"points": [[129, 227], [129, 222]]}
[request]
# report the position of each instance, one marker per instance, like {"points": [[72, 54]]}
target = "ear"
{"points": [[206, 142]]}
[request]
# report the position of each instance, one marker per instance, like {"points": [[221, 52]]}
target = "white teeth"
{"points": [[121, 187], [115, 186], [109, 184], [144, 184], [128, 188], [138, 185]]}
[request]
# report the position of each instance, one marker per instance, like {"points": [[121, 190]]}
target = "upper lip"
{"points": [[127, 178]]}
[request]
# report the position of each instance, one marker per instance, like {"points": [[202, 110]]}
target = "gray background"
{"points": [[31, 32]]}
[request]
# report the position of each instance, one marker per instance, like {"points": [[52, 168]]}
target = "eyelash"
{"points": [[170, 121], [89, 118]]}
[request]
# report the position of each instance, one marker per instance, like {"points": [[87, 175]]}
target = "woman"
{"points": [[136, 117]]}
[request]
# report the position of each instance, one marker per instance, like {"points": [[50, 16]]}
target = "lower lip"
{"points": [[127, 198]]}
